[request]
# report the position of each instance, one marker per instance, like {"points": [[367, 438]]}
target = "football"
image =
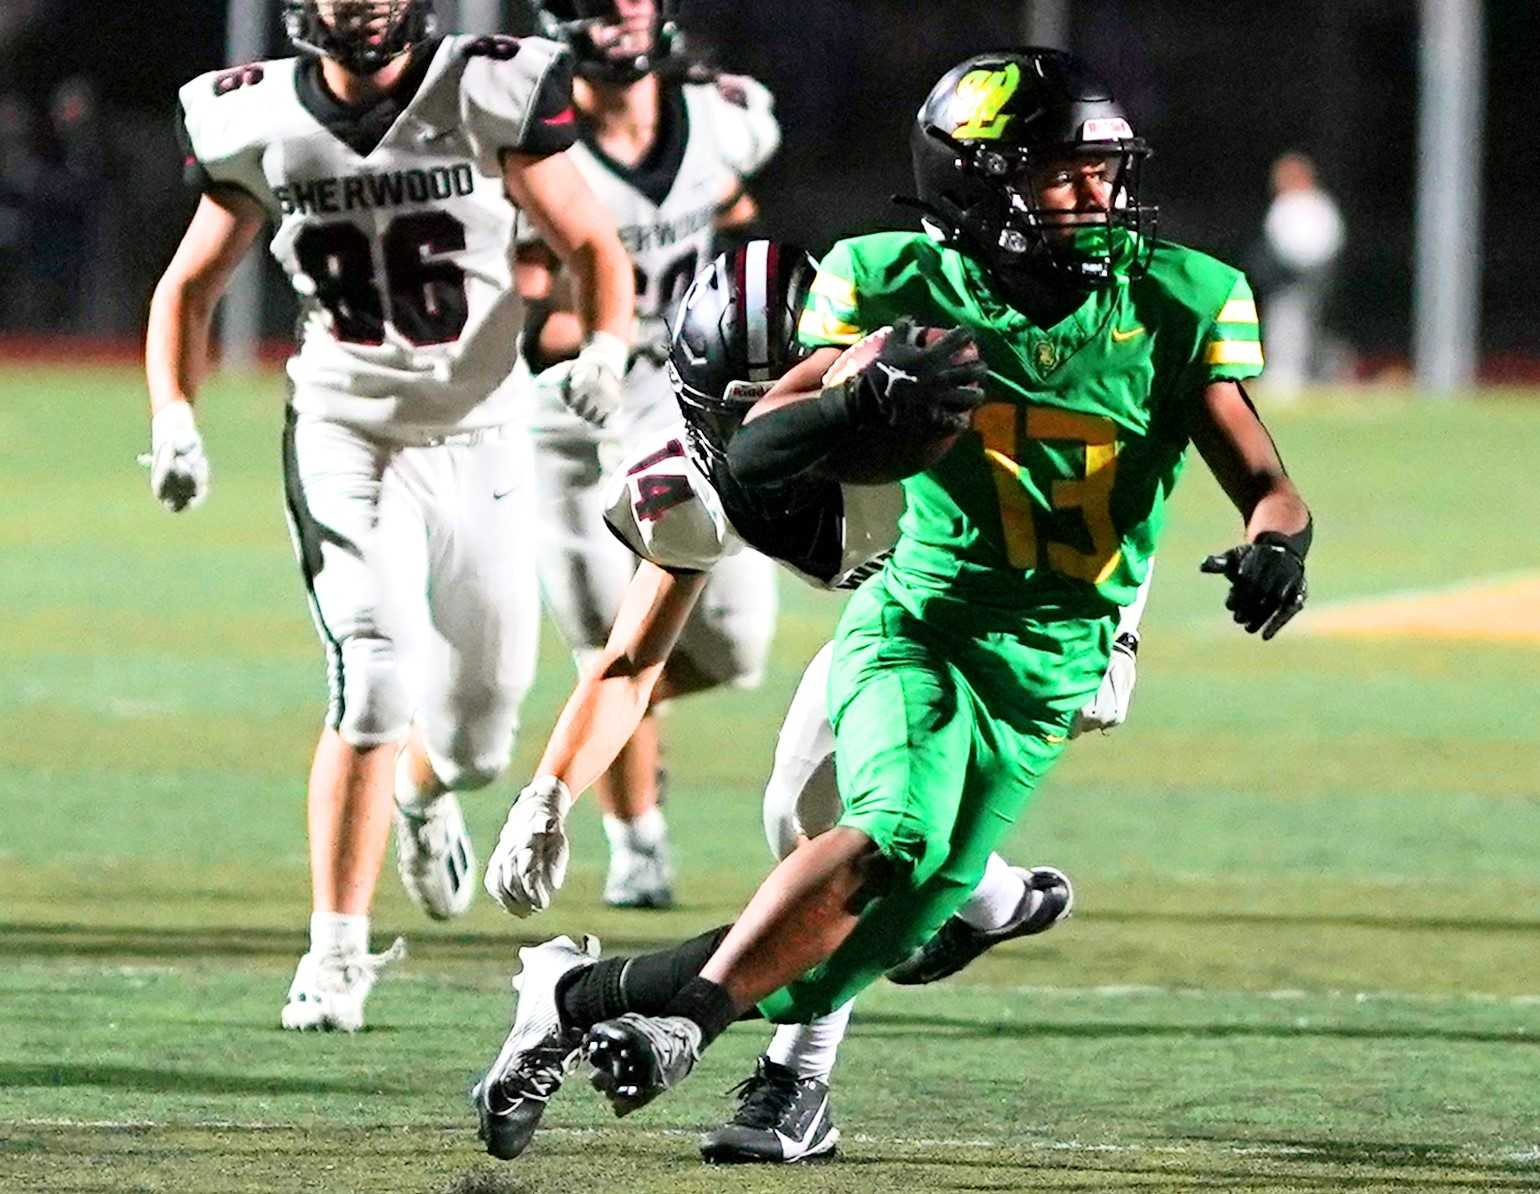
{"points": [[881, 456]]}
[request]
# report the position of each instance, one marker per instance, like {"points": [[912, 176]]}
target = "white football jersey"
{"points": [[392, 220], [710, 136], [668, 511]]}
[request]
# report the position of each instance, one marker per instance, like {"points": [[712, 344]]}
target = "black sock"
{"points": [[707, 1004], [590, 994], [644, 984]]}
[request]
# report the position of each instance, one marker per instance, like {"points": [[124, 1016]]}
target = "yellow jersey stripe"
{"points": [[840, 291], [1238, 310], [1233, 352], [818, 326]]}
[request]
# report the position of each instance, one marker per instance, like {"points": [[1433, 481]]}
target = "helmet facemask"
{"points": [[363, 36], [592, 28], [1003, 220], [710, 421]]}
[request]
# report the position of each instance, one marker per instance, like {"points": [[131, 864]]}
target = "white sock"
{"points": [[334, 931], [808, 1049], [642, 834], [1000, 898]]}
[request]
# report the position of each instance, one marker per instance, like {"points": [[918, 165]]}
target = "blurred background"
{"points": [[1395, 103]]}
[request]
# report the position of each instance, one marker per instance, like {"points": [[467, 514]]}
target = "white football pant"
{"points": [[584, 569], [418, 560]]}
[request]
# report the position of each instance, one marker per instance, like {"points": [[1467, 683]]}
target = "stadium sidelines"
{"points": [[1494, 608]]}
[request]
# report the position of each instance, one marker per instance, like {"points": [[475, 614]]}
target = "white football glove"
{"points": [[593, 385], [179, 471], [529, 864], [1109, 707], [650, 339]]}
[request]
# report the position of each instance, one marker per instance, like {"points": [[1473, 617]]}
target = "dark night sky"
{"points": [[1219, 87]]}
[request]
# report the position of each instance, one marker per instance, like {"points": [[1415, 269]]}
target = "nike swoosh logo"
{"points": [[1120, 335], [497, 497], [566, 116]]}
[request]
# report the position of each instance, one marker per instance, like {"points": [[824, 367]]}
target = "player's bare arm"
{"points": [[530, 861], [582, 236], [1267, 572], [222, 231], [177, 346], [614, 692]]}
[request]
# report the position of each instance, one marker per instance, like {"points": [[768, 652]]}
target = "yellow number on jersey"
{"points": [[1004, 427]]}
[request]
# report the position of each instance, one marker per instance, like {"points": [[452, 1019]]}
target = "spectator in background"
{"points": [[21, 172], [84, 191], [1301, 240]]}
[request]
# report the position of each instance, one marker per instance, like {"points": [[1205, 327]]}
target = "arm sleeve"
{"points": [[194, 175], [743, 112], [789, 441], [1133, 613], [518, 103]]}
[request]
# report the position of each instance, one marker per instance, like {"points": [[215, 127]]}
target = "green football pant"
{"points": [[939, 745]]}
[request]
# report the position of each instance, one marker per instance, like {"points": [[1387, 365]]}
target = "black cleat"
{"points": [[781, 1118], [957, 942], [636, 1058]]}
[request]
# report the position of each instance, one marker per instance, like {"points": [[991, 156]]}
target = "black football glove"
{"points": [[909, 384], [1267, 582]]}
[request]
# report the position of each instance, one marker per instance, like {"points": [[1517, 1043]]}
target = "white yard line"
{"points": [[1530, 1154], [1140, 991]]}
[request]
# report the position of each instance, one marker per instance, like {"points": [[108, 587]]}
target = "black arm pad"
{"points": [[536, 312], [791, 440]]}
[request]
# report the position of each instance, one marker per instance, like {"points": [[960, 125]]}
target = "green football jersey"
{"points": [[1050, 507]]}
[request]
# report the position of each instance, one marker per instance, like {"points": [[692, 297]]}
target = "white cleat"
{"points": [[640, 878], [329, 989], [435, 859], [538, 1053]]}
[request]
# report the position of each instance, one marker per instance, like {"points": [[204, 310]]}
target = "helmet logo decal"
{"points": [[980, 96], [1106, 128]]}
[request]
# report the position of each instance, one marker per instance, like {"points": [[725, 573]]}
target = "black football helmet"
{"points": [[734, 335], [362, 35], [983, 131], [572, 21]]}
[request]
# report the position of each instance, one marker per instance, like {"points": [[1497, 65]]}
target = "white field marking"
{"points": [[1260, 1149], [1287, 994]]}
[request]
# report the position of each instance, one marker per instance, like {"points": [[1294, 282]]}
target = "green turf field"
{"points": [[1307, 955]]}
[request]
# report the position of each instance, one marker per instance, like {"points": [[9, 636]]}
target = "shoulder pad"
{"points": [[515, 96], [228, 117], [740, 112], [667, 512]]}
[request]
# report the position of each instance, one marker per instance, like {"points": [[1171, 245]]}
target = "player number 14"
{"points": [[1007, 431]]}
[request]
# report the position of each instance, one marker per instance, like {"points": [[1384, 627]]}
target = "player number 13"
{"points": [[1007, 430]]}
